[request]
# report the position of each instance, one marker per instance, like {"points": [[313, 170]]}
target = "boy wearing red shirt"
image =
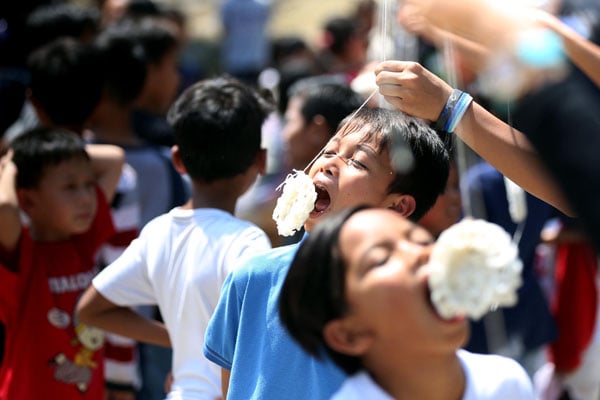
{"points": [[46, 265]]}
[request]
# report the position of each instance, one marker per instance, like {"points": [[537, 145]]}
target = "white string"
{"points": [[461, 149], [383, 33]]}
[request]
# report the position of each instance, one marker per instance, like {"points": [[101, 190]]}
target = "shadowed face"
{"points": [[64, 202]]}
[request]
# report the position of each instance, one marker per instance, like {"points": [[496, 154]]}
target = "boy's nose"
{"points": [[331, 164], [418, 252], [87, 195]]}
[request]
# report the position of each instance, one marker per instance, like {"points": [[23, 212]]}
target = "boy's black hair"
{"points": [[50, 21], [328, 96], [313, 292], [124, 60], [66, 80], [157, 36], [217, 124], [39, 148], [340, 31], [427, 177]]}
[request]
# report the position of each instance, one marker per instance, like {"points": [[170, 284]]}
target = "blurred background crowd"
{"points": [[296, 49]]}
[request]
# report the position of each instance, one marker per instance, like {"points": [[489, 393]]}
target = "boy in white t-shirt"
{"points": [[181, 258], [357, 290]]}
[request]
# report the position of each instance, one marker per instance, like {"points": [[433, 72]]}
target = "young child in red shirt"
{"points": [[47, 263]]}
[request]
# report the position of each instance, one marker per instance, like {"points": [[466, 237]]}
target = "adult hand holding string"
{"points": [[412, 89]]}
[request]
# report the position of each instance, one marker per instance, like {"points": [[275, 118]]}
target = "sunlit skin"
{"points": [[350, 171], [390, 322], [64, 202], [386, 284]]}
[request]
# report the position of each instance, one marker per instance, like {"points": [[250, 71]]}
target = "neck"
{"points": [[43, 235], [423, 377], [221, 194], [113, 124]]}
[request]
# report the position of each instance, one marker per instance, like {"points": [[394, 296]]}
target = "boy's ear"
{"points": [[25, 199], [39, 110], [345, 339], [261, 161], [318, 131], [404, 204], [177, 161]]}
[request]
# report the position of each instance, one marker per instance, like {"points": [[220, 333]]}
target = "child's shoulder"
{"points": [[491, 376], [267, 264]]}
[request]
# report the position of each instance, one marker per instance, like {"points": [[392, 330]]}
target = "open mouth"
{"points": [[323, 201], [430, 303]]}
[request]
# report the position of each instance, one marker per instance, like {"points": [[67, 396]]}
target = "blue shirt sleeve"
{"points": [[222, 330]]}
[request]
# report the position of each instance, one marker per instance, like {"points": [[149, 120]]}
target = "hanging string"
{"points": [[462, 164], [383, 36], [515, 195]]}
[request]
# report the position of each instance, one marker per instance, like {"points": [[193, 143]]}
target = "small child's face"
{"points": [[64, 202], [299, 150], [386, 287], [350, 171]]}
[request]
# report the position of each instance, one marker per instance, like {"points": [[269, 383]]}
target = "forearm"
{"points": [[583, 53], [10, 218], [225, 377], [509, 151], [418, 92], [95, 310], [107, 162]]}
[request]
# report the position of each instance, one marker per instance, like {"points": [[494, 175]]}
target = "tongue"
{"points": [[321, 204]]}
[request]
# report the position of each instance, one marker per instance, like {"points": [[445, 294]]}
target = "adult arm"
{"points": [[107, 163], [96, 310], [583, 53], [10, 219], [411, 88]]}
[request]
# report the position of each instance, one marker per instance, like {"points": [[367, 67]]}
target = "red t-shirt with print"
{"points": [[48, 353]]}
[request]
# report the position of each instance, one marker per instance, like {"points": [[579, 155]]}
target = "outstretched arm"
{"points": [[107, 162], [95, 310], [10, 219], [411, 88], [583, 53]]}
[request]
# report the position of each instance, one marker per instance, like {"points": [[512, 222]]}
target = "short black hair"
{"points": [[427, 177], [158, 36], [326, 95], [67, 78], [340, 31], [217, 124], [123, 58], [39, 148], [314, 290], [50, 21]]}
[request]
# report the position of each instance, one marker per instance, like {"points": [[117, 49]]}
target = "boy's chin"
{"points": [[81, 227]]}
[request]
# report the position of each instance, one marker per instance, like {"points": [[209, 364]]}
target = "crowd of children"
{"points": [[138, 255]]}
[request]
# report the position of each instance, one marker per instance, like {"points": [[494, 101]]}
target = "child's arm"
{"points": [[416, 91], [10, 218], [107, 162], [225, 376], [95, 310]]}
